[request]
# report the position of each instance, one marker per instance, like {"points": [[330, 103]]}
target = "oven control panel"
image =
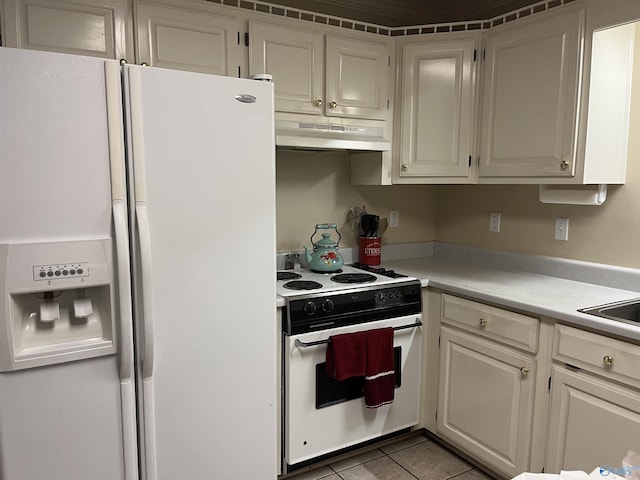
{"points": [[321, 311], [390, 297]]}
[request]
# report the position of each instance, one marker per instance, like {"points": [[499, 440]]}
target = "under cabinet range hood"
{"points": [[324, 136]]}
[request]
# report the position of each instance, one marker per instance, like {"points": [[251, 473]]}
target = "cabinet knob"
{"points": [[318, 103], [608, 360], [564, 164], [333, 105], [144, 64], [405, 167], [483, 322], [524, 371], [123, 61]]}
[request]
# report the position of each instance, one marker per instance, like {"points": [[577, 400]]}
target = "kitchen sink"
{"points": [[626, 311]]}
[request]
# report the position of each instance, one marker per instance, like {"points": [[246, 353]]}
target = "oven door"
{"points": [[322, 415]]}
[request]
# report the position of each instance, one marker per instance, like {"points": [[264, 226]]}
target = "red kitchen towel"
{"points": [[346, 355], [380, 379]]}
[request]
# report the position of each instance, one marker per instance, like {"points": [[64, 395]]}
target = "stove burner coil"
{"points": [[288, 276], [302, 285], [353, 278]]}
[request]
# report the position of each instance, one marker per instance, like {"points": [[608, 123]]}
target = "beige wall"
{"points": [[609, 233], [314, 187]]}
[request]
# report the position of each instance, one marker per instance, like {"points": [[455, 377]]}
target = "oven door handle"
{"points": [[300, 344]]}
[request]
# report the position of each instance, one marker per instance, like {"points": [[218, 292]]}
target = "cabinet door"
{"points": [[357, 76], [295, 59], [97, 28], [592, 422], [485, 403], [185, 40], [530, 98], [437, 108]]}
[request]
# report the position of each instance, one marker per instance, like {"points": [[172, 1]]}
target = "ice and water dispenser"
{"points": [[57, 302]]}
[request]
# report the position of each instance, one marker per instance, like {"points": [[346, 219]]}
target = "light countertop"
{"points": [[549, 296]]}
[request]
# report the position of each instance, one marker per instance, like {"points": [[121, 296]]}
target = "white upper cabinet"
{"points": [[356, 78], [186, 40], [98, 28], [295, 59], [436, 109], [353, 82], [530, 97]]}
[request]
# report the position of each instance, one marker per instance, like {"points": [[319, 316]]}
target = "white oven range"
{"points": [[322, 416]]}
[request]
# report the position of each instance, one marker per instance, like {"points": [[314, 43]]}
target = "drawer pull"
{"points": [[608, 360], [483, 322], [524, 371]]}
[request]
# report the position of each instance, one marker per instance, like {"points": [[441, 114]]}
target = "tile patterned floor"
{"points": [[416, 457]]}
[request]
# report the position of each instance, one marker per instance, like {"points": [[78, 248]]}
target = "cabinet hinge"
{"points": [[478, 162], [484, 54], [239, 72], [469, 160], [436, 415], [475, 54], [549, 384], [246, 39], [389, 61], [542, 471], [438, 342], [388, 103]]}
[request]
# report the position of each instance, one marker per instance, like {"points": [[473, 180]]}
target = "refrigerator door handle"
{"points": [[144, 237], [124, 291], [126, 342]]}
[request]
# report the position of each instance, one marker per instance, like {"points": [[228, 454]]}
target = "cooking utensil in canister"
{"points": [[353, 218], [373, 226], [382, 226]]}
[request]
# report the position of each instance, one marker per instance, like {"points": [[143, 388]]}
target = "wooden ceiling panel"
{"points": [[401, 13]]}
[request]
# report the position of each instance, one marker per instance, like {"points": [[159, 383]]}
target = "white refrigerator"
{"points": [[137, 270]]}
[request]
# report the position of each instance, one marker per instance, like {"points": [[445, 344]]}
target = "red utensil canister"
{"points": [[370, 249]]}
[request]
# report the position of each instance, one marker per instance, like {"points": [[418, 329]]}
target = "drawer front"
{"points": [[605, 356], [503, 326]]}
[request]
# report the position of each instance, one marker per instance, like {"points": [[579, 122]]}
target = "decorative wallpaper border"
{"points": [[297, 14]]}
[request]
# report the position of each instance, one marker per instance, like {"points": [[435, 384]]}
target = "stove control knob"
{"points": [[310, 308], [327, 305]]}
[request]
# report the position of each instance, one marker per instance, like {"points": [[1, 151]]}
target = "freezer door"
{"points": [[54, 166], [72, 419], [203, 173], [62, 422]]}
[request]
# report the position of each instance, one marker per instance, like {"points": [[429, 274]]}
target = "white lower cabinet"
{"points": [[595, 401], [592, 422], [487, 383], [486, 400], [522, 394]]}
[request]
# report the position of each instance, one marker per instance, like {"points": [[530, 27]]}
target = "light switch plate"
{"points": [[494, 222], [562, 229], [394, 219]]}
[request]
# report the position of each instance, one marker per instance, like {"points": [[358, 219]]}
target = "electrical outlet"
{"points": [[394, 219], [562, 229], [494, 222]]}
